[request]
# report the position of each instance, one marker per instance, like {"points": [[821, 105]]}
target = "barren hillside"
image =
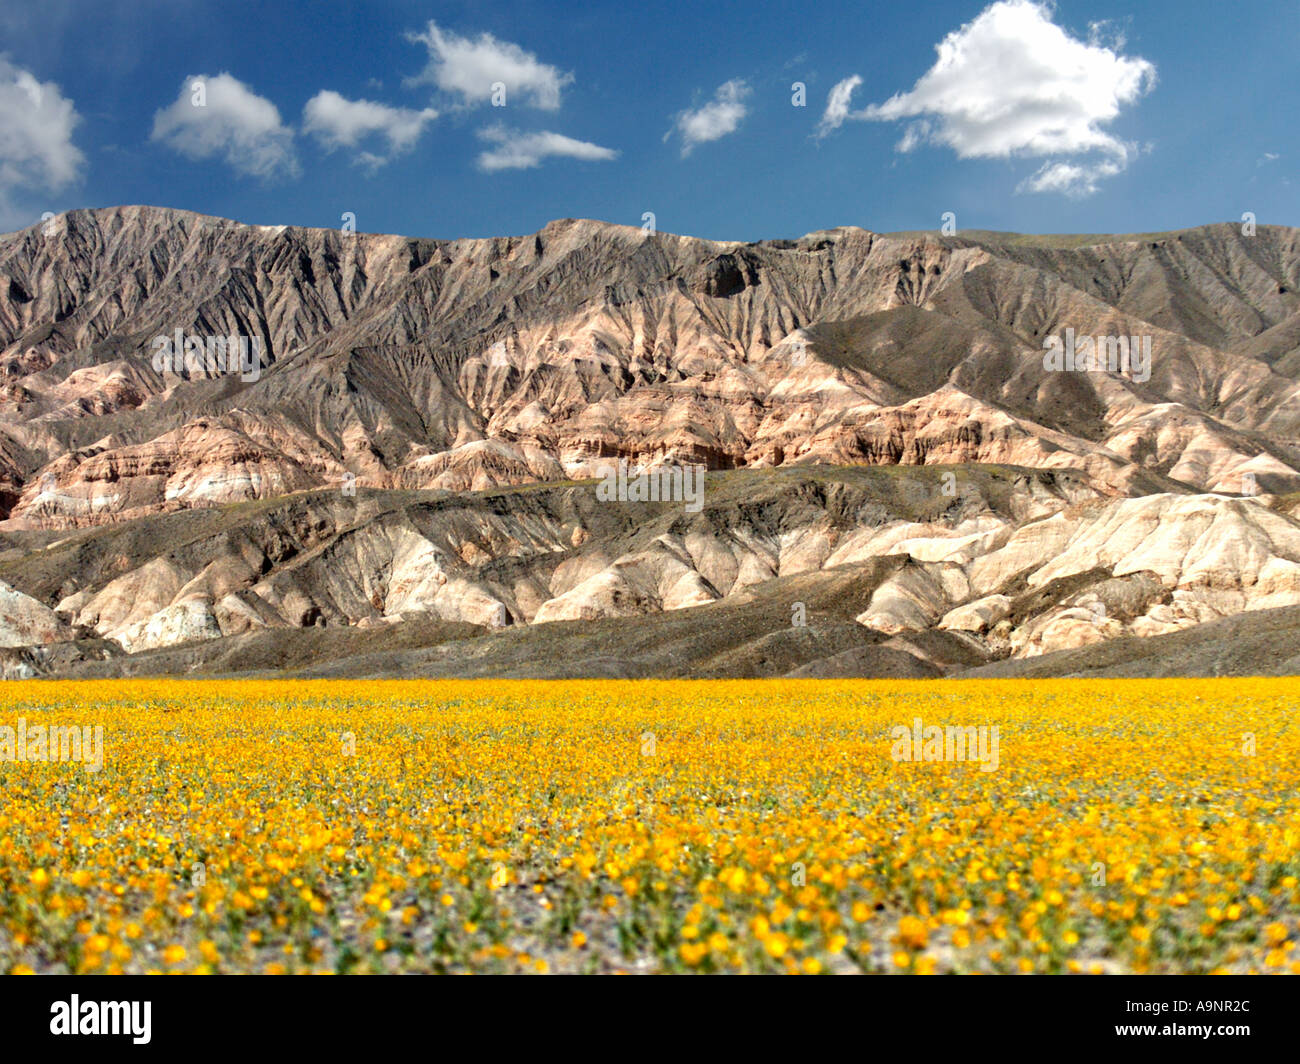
{"points": [[415, 439]]}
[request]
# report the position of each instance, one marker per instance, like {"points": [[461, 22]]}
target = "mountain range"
{"points": [[402, 472]]}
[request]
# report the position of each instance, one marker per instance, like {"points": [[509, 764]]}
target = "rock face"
{"points": [[384, 361], [211, 431], [24, 621], [1015, 563]]}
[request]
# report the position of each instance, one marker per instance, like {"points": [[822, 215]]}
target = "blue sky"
{"points": [[1081, 116]]}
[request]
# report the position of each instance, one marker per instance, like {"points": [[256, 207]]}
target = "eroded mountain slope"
{"points": [[405, 464], [396, 362]]}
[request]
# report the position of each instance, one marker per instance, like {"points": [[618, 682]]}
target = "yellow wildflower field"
{"points": [[651, 826]]}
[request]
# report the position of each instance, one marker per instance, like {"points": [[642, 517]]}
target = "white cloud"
{"points": [[520, 151], [1107, 33], [1073, 179], [337, 122], [233, 122], [36, 124], [469, 67], [1013, 83], [837, 105], [715, 119]]}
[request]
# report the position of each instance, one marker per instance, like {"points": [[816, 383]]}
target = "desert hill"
{"points": [[406, 464]]}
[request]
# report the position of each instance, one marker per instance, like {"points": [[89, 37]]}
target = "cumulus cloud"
{"points": [[520, 151], [1013, 83], [222, 117], [468, 67], [36, 149], [337, 122], [715, 119], [1074, 179]]}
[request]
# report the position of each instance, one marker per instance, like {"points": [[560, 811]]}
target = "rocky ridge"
{"points": [[419, 438]]}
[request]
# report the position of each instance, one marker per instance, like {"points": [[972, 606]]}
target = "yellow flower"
{"points": [[754, 833], [693, 952], [913, 932], [777, 945]]}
